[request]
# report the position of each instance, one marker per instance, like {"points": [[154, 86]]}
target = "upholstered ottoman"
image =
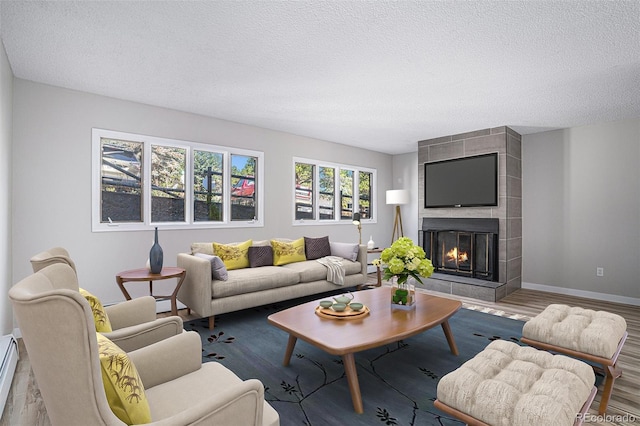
{"points": [[510, 385], [594, 336]]}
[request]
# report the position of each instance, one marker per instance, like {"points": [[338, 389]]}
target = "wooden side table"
{"points": [[144, 274], [378, 272]]}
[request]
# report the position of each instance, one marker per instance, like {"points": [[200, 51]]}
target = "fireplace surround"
{"points": [[508, 212]]}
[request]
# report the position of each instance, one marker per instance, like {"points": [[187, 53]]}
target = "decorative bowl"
{"points": [[326, 303], [356, 306], [339, 307]]}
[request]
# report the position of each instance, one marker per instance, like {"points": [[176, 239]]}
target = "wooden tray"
{"points": [[344, 315]]}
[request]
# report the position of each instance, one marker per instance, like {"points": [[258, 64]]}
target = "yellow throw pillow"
{"points": [[122, 384], [285, 252], [234, 256], [100, 317]]}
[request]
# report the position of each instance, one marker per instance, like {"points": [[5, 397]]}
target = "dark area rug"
{"points": [[398, 381]]}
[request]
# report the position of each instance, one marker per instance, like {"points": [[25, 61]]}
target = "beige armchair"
{"points": [[133, 322], [57, 327]]}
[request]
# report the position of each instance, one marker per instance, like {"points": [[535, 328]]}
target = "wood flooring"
{"points": [[25, 405]]}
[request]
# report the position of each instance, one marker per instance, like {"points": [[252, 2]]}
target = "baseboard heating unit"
{"points": [[9, 354]]}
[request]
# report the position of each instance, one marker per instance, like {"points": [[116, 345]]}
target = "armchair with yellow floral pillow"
{"points": [[86, 379], [131, 324]]}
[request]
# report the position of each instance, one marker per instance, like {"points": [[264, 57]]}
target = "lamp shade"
{"points": [[397, 196], [356, 218]]}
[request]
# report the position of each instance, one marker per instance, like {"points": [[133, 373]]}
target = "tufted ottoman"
{"points": [[595, 336], [510, 385]]}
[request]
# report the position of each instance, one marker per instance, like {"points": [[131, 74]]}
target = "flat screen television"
{"points": [[462, 182]]}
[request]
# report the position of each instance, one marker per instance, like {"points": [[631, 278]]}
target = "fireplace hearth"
{"points": [[466, 247]]}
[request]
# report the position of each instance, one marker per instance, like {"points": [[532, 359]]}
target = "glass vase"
{"points": [[403, 296]]}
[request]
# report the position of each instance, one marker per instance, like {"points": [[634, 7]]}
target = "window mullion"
{"points": [[188, 187], [226, 188], [146, 191]]}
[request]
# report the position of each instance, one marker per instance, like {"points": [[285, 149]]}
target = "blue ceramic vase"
{"points": [[155, 256]]}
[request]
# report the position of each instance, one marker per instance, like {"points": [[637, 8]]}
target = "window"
{"points": [[316, 197], [243, 187], [207, 186], [304, 191], [346, 194], [120, 180], [364, 191], [327, 193], [141, 181]]}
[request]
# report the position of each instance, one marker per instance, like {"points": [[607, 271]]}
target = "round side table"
{"points": [[143, 274]]}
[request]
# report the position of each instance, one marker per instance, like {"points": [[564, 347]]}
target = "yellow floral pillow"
{"points": [[122, 384], [234, 256], [288, 252], [100, 318]]}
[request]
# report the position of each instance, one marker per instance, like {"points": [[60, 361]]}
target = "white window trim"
{"points": [[337, 220], [189, 223]]}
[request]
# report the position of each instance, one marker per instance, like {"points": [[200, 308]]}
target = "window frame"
{"points": [[189, 222], [337, 206]]}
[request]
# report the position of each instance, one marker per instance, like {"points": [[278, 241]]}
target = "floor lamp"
{"points": [[356, 221], [397, 197]]}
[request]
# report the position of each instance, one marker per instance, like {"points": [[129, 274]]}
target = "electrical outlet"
{"points": [[600, 271]]}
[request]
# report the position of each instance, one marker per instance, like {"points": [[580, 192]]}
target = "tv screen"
{"points": [[462, 182]]}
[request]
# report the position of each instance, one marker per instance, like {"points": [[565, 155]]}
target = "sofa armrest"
{"points": [[240, 404], [168, 359], [363, 259], [131, 312], [141, 335], [195, 291]]}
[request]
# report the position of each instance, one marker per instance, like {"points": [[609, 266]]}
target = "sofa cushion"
{"points": [[122, 384], [309, 270], [315, 248], [260, 256], [218, 270], [206, 248], [312, 270], [234, 256], [288, 252], [346, 250], [250, 280]]}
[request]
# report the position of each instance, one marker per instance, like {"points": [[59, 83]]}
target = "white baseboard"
{"points": [[583, 293]]}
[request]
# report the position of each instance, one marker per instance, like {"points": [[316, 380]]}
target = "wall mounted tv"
{"points": [[462, 182]]}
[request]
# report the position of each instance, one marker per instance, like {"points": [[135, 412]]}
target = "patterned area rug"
{"points": [[398, 381]]}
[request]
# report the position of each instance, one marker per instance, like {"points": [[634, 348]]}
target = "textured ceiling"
{"points": [[376, 74]]}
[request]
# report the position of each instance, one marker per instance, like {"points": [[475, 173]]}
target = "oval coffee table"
{"points": [[383, 325]]}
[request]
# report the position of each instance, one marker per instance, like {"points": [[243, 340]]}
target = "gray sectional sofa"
{"points": [[250, 287]]}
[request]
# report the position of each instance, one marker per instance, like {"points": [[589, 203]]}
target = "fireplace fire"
{"points": [[464, 247]]}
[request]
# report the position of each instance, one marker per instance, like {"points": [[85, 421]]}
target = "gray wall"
{"points": [[581, 210], [6, 97], [405, 176], [52, 182]]}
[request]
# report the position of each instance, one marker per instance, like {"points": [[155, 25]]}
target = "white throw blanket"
{"points": [[335, 270]]}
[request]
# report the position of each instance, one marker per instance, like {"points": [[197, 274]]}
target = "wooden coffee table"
{"points": [[383, 325]]}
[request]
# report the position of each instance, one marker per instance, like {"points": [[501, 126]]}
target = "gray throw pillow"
{"points": [[218, 270], [345, 250], [260, 256], [315, 248]]}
